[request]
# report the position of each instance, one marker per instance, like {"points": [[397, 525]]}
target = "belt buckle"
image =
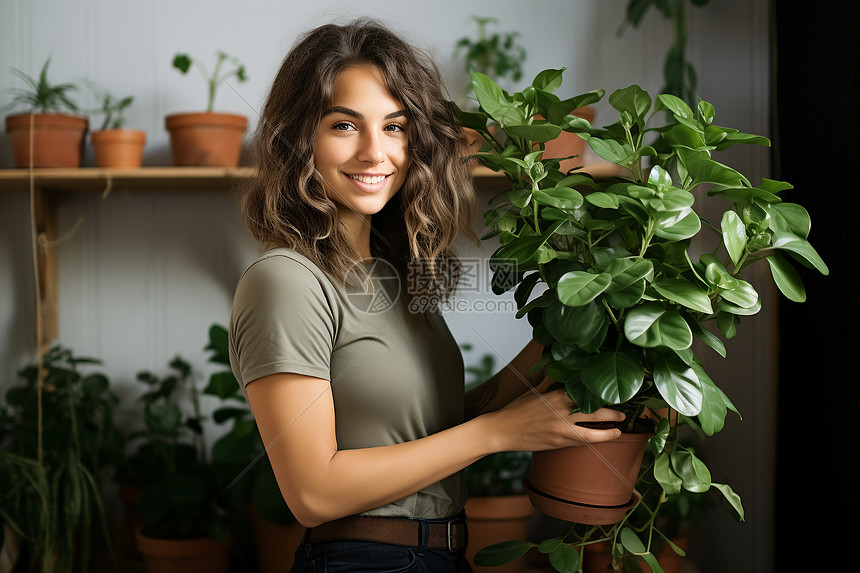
{"points": [[451, 536]]}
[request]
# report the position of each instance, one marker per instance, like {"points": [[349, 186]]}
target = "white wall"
{"points": [[146, 273]]}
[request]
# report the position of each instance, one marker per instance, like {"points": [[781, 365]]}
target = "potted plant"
{"points": [[209, 137], [57, 439], [114, 145], [184, 521], [46, 135], [498, 508], [631, 276], [240, 457]]}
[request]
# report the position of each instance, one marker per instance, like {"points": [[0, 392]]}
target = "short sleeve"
{"points": [[283, 320]]}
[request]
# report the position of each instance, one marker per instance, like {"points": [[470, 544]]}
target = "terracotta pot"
{"points": [[495, 519], [206, 138], [199, 555], [594, 477], [57, 139], [128, 496], [568, 144], [118, 147], [275, 544]]}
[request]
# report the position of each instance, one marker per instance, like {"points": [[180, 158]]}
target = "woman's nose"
{"points": [[371, 150]]}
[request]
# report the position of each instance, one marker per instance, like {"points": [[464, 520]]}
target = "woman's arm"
{"points": [[507, 384], [296, 418]]}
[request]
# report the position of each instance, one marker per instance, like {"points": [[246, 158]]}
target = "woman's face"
{"points": [[360, 147]]}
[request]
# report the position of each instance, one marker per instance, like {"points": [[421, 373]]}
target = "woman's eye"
{"points": [[343, 126], [394, 127]]}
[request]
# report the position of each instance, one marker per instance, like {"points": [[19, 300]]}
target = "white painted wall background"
{"points": [[145, 274]]}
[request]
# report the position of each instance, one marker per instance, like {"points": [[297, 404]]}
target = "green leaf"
{"points": [[632, 99], [608, 149], [677, 106], [652, 324], [679, 385], [564, 559], [575, 326], [222, 384], [694, 474], [787, 278], [668, 479], [548, 80], [613, 376], [541, 133], [734, 235], [684, 293], [502, 553], [628, 280], [603, 200], [578, 288], [560, 198], [677, 225], [631, 542], [732, 498], [802, 248]]}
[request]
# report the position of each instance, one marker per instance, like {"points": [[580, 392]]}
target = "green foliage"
{"points": [[55, 445], [179, 490], [184, 62], [499, 56], [41, 96], [626, 292], [111, 107], [678, 73], [238, 456]]}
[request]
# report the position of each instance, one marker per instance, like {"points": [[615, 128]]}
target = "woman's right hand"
{"points": [[540, 420]]}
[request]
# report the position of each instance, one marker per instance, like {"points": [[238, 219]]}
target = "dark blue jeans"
{"points": [[369, 557]]}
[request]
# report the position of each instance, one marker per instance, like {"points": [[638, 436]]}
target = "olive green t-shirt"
{"points": [[394, 376]]}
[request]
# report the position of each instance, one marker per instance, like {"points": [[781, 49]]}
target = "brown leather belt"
{"points": [[401, 531]]}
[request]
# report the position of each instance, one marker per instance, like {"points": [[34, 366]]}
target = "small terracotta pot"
{"points": [[567, 144], [494, 519], [118, 147], [57, 139], [275, 544], [198, 555], [600, 475], [206, 138]]}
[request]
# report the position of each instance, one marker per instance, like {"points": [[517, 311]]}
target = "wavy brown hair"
{"points": [[287, 205]]}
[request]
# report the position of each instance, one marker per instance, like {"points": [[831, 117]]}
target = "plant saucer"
{"points": [[579, 512]]}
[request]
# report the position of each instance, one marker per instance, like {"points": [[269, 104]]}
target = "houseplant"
{"points": [[50, 133], [57, 439], [208, 137], [498, 507], [240, 457], [625, 291], [182, 514], [115, 145]]}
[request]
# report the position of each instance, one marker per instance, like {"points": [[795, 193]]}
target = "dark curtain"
{"points": [[817, 149]]}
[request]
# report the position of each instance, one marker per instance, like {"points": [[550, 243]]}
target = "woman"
{"points": [[361, 194]]}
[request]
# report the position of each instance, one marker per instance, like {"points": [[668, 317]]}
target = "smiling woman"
{"points": [[361, 149], [359, 398]]}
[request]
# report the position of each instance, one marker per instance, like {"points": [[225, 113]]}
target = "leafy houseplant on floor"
{"points": [[625, 293], [47, 135], [498, 507], [239, 456], [208, 138], [57, 438], [183, 517], [114, 145]]}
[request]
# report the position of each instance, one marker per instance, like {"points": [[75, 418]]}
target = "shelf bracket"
{"points": [[45, 236]]}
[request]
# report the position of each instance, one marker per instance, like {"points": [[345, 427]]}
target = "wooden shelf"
{"points": [[47, 183]]}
